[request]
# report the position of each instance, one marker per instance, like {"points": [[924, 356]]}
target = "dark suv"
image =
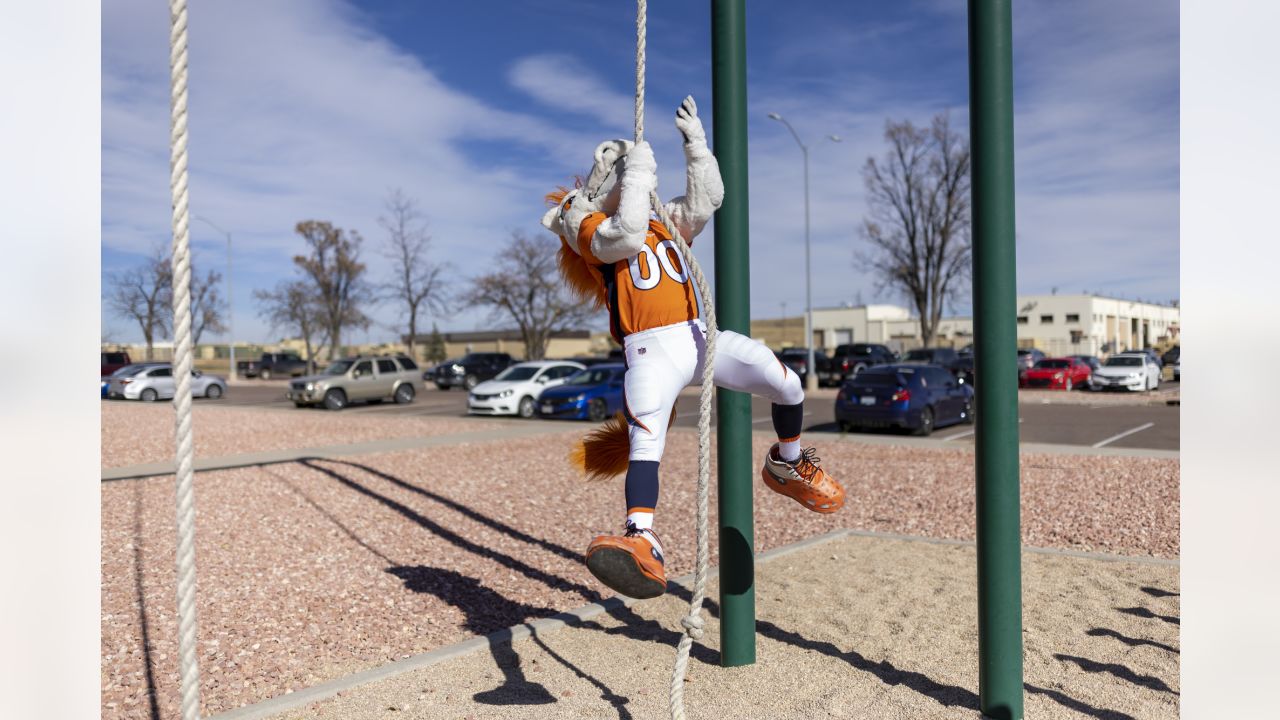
{"points": [[473, 369], [849, 360], [946, 357]]}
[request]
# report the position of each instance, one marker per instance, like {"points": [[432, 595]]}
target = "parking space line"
{"points": [[965, 434], [1124, 434]]}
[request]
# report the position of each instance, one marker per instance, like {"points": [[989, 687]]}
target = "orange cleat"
{"points": [[803, 481], [629, 564]]}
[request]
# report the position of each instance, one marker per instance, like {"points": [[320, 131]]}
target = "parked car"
{"points": [[123, 372], [1092, 361], [964, 370], [1027, 358], [470, 370], [154, 381], [915, 397], [280, 364], [516, 390], [797, 359], [1155, 357], [362, 378], [1170, 356], [945, 357], [1127, 371], [851, 359], [1177, 370], [1064, 373], [113, 361], [594, 393]]}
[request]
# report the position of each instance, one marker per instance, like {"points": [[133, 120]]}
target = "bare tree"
{"points": [[294, 306], [525, 287], [207, 304], [417, 283], [918, 219], [334, 268], [144, 294]]}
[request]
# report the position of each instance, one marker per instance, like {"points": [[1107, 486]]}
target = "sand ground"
{"points": [[856, 627]]}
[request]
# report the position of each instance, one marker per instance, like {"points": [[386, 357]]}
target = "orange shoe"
{"points": [[803, 481], [629, 564]]}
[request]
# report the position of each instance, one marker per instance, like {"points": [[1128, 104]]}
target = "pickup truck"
{"points": [[285, 364], [113, 361]]}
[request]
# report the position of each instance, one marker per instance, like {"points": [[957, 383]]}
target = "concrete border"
{"points": [[291, 701]]}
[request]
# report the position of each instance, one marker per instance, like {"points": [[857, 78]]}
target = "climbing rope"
{"points": [[693, 622], [186, 508]]}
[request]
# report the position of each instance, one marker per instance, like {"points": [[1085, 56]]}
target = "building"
{"points": [[1094, 325], [890, 325]]}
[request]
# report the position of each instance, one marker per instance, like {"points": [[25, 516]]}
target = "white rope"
{"points": [[693, 622], [186, 509]]}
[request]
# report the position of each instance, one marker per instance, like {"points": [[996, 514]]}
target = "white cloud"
{"points": [[567, 86]]}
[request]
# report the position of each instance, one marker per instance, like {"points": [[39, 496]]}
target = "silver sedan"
{"points": [[151, 382]]}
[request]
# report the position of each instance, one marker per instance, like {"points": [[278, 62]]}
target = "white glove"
{"points": [[690, 126], [641, 167]]}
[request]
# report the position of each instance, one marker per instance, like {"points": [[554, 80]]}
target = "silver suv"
{"points": [[355, 379]]}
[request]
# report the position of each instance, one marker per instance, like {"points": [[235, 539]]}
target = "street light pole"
{"points": [[811, 371], [231, 331]]}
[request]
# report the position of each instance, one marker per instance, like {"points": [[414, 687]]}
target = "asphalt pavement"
{"points": [[1153, 427]]}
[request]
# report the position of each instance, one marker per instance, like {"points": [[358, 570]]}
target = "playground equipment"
{"points": [[998, 524]]}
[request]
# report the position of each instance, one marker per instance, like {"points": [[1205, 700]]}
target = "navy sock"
{"points": [[788, 421], [642, 486]]}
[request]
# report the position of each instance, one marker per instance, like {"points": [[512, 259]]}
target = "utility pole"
{"points": [[811, 372], [231, 325]]}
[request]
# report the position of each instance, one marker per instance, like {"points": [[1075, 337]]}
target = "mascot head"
{"points": [[599, 193]]}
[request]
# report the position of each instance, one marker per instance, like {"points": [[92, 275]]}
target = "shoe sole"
{"points": [[780, 488], [619, 570]]}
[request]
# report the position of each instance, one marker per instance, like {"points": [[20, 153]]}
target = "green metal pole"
{"points": [[736, 470], [995, 349]]}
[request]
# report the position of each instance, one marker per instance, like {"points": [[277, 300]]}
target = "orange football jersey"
{"points": [[647, 290]]}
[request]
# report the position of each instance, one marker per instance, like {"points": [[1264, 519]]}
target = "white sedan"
{"points": [[515, 391], [1127, 371], [150, 382]]}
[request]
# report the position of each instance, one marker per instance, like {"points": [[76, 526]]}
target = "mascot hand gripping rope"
{"points": [[616, 253]]}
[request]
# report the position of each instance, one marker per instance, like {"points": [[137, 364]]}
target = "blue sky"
{"points": [[315, 109]]}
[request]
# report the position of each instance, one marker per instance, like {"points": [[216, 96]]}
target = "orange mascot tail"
{"points": [[604, 452]]}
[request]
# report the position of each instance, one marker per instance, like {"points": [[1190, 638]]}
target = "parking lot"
{"points": [[1088, 420]]}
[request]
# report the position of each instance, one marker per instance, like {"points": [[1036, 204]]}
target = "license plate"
{"points": [[546, 407], [868, 400]]}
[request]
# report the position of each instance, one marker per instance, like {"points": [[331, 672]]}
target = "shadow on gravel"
{"points": [[1157, 592], [147, 664], [1119, 671], [1131, 642], [1145, 613], [1079, 706]]}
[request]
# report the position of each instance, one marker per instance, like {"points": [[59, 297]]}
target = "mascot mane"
{"points": [[577, 274]]}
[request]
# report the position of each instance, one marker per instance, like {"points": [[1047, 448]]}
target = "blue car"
{"points": [[914, 397], [592, 394]]}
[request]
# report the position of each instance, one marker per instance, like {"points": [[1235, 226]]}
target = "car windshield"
{"points": [[519, 372], [1124, 362], [338, 368], [1053, 364], [590, 376]]}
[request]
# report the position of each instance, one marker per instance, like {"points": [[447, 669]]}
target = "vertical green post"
{"points": [[995, 349], [733, 312]]}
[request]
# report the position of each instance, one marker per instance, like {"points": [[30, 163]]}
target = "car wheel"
{"points": [[148, 395], [471, 381], [335, 399], [213, 392], [926, 422], [441, 386], [526, 407], [299, 404], [597, 410], [265, 374], [404, 394]]}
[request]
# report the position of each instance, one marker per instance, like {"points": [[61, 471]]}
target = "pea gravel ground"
{"points": [[311, 570]]}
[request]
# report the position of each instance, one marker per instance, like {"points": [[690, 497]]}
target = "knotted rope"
{"points": [[693, 622], [186, 508]]}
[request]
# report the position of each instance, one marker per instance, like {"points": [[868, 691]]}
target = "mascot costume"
{"points": [[615, 253]]}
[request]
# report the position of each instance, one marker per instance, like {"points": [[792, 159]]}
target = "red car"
{"points": [[1057, 374], [113, 361]]}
